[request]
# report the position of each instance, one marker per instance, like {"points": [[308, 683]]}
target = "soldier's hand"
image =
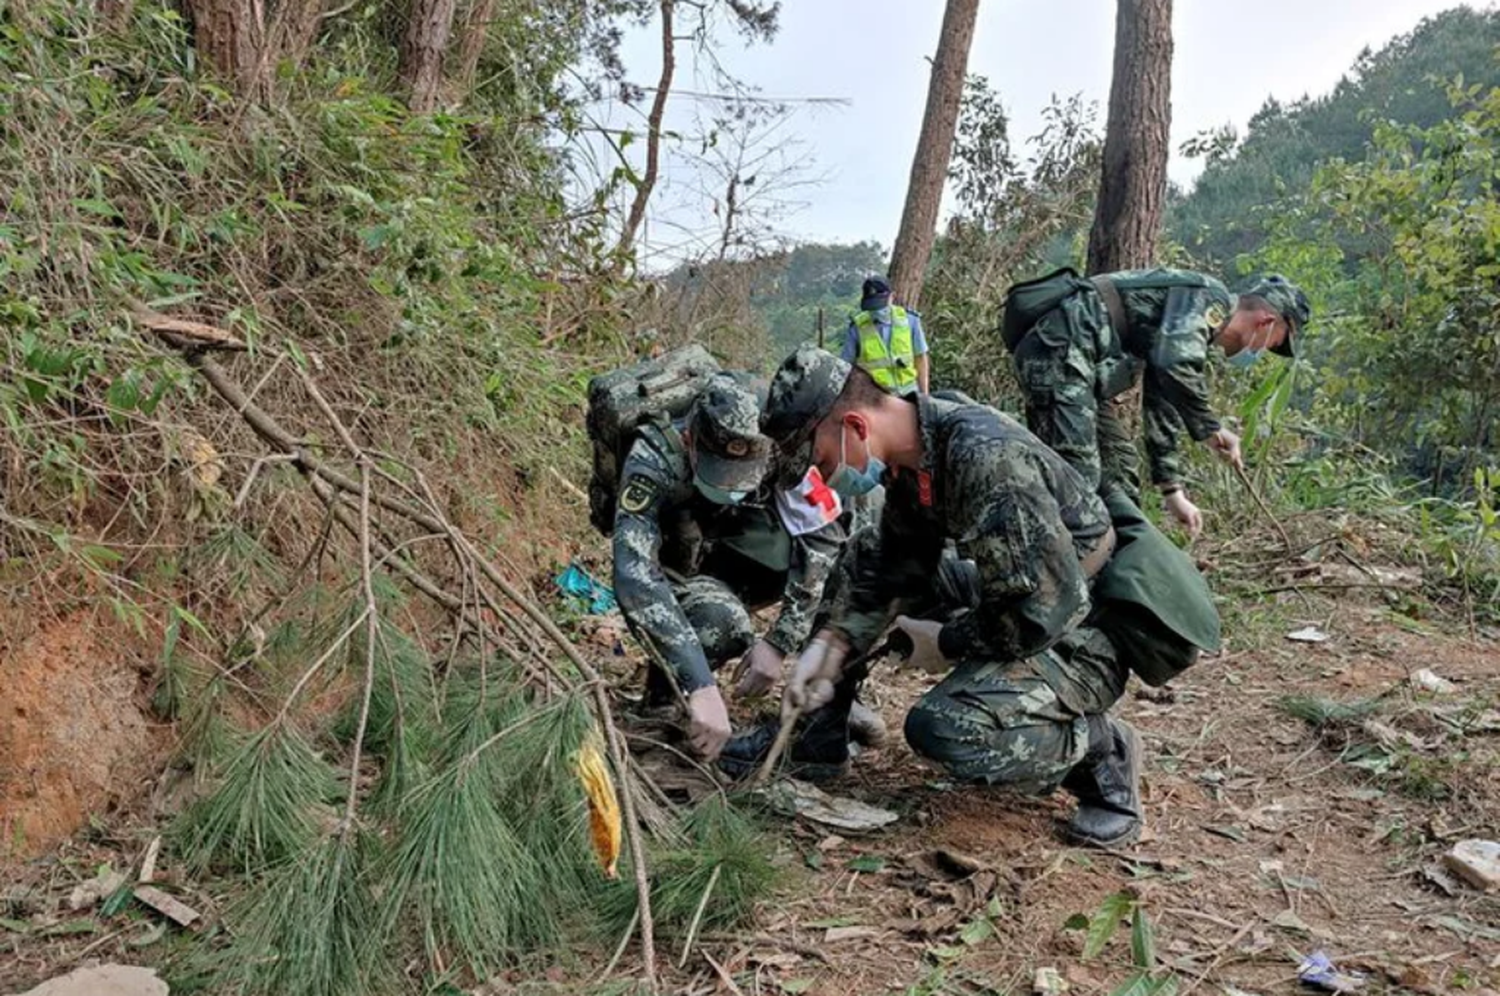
{"points": [[1226, 446], [813, 676], [925, 653], [708, 722], [759, 671], [1184, 511]]}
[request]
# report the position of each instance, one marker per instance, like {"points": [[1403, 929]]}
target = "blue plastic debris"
{"points": [[595, 598], [1318, 970]]}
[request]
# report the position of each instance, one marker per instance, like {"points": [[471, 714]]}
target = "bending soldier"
{"points": [[1080, 344], [699, 542], [1068, 595]]}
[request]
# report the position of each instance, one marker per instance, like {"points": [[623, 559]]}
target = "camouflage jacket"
{"points": [[662, 524], [1012, 506], [1170, 329]]}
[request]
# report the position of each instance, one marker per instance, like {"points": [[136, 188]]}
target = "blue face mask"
{"points": [[851, 483], [1245, 358], [719, 496]]}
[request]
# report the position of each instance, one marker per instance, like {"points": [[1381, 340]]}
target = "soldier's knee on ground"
{"points": [[719, 619], [999, 743]]}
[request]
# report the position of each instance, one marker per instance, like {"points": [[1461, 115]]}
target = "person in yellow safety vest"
{"points": [[887, 341]]}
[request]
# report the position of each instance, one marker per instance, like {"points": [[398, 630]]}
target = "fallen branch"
{"points": [[330, 484], [1264, 508]]}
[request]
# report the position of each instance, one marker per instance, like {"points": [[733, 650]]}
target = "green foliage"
{"points": [[723, 847], [1101, 927], [1021, 214], [310, 929], [1236, 199], [264, 807]]}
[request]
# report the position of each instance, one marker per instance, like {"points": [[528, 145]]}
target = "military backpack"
{"points": [[655, 391]]}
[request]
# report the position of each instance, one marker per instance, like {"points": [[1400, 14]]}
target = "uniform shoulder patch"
{"points": [[1215, 315], [639, 494]]}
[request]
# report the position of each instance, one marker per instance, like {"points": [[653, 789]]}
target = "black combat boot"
{"points": [[819, 750], [1107, 783]]}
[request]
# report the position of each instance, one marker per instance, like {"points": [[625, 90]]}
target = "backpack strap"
{"points": [[1113, 303]]}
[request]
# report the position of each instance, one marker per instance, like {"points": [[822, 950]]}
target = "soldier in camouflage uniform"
{"points": [[699, 543], [1074, 362], [1033, 661]]}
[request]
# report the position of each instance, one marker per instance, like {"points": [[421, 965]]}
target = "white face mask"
{"points": [[1253, 349]]}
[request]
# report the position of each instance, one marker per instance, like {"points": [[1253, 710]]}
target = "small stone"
{"points": [[105, 980], [1048, 982], [1476, 862], [1428, 680]]}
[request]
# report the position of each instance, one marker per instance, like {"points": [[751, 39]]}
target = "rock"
{"points": [[1048, 982], [1308, 634], [99, 887], [1428, 680], [105, 980], [1476, 862]]}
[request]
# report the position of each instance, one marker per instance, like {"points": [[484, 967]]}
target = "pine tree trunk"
{"points": [[471, 45], [114, 14], [422, 51], [929, 167], [1133, 187], [297, 23], [228, 37]]}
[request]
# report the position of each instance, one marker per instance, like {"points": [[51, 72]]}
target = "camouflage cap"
{"points": [[802, 393], [1287, 300], [729, 452]]}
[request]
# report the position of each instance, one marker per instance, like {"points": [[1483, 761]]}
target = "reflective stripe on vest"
{"points": [[895, 367]]}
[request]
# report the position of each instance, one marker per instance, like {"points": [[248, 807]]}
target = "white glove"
{"points": [[811, 683], [1184, 511], [924, 638], [1226, 446], [759, 671]]}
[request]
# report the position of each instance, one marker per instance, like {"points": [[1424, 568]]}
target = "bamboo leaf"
{"points": [[1104, 923]]}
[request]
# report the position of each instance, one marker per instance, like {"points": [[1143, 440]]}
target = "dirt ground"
{"points": [[1262, 846], [1268, 839]]}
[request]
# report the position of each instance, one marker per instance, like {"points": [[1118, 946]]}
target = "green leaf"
{"points": [[117, 900], [101, 208], [867, 863], [1078, 921], [1142, 984], [15, 926], [1142, 943], [795, 986], [99, 556], [834, 921], [1104, 923], [814, 860], [976, 931]]}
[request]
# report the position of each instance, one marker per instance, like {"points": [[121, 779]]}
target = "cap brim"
{"points": [[727, 474]]}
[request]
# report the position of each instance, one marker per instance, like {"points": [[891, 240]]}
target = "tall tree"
{"points": [[1133, 183], [229, 36], [653, 130], [422, 51], [929, 166]]}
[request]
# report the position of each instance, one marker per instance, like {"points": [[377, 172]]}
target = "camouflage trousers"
{"points": [[718, 616], [1073, 373], [1019, 723], [1016, 723]]}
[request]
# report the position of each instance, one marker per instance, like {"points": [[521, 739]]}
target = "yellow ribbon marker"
{"points": [[604, 806]]}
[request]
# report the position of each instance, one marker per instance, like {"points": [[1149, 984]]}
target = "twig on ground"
{"points": [[724, 976], [1264, 508], [692, 933]]}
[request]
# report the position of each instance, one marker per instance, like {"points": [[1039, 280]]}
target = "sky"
{"points": [[872, 56]]}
